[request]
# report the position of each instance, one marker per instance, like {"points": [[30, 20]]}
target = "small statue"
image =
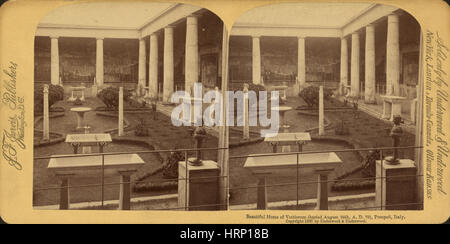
{"points": [[199, 136], [396, 133]]}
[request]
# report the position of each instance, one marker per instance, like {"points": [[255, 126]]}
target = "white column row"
{"points": [[256, 61], [191, 65], [392, 61]]}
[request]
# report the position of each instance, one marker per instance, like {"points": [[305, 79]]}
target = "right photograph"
{"points": [[349, 83]]}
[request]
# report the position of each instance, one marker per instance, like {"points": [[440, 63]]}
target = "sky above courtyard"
{"points": [[135, 14], [117, 15], [303, 14]]}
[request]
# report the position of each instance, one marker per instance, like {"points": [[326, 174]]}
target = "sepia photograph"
{"points": [[158, 106]]}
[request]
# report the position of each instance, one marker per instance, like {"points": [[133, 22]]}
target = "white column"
{"points": [[369, 90], [246, 130], [301, 70], [256, 61], [344, 66], [321, 113], [192, 59], [168, 64], [54, 59], [120, 111], [392, 57], [355, 66], [99, 72], [141, 67], [153, 66], [46, 129]]}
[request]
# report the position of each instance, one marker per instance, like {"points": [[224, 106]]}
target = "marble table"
{"points": [[392, 106], [282, 111], [86, 140], [80, 89], [72, 166], [80, 116], [287, 139], [282, 92], [276, 165]]}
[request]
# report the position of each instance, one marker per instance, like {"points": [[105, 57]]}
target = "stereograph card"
{"points": [[201, 112]]}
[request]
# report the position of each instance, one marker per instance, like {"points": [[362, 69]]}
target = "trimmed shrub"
{"points": [[141, 129], [110, 96], [311, 95], [55, 94]]}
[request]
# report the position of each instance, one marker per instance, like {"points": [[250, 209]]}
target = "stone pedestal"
{"points": [[392, 106], [64, 196], [322, 189], [125, 190], [395, 185], [261, 193], [198, 186]]}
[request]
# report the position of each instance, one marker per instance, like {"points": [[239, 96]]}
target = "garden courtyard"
{"points": [[152, 179]]}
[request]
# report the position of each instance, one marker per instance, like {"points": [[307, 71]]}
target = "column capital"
{"points": [[301, 37], [54, 37], [355, 34], [392, 17], [169, 27], [193, 16], [371, 25], [99, 38], [256, 36], [153, 34]]}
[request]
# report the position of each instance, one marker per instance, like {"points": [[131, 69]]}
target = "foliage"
{"points": [[311, 95], [170, 168], [55, 94], [77, 101], [141, 129], [110, 96], [369, 163], [251, 87]]}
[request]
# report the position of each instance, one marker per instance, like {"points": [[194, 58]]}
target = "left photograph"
{"points": [[104, 134]]}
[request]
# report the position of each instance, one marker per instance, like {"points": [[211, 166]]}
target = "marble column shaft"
{"points": [[54, 60], [392, 57], [168, 64], [99, 71], [192, 58], [369, 87], [142, 66], [344, 66], [153, 66], [256, 60], [354, 82], [301, 64]]}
